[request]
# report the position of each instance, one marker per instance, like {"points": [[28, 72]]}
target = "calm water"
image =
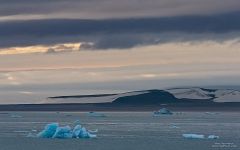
{"points": [[138, 130]]}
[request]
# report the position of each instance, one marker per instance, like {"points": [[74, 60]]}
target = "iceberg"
{"points": [[93, 131], [211, 113], [63, 133], [15, 116], [48, 131], [76, 131], [163, 111], [174, 127], [76, 122], [31, 135], [81, 132], [193, 136], [53, 130], [213, 137]]}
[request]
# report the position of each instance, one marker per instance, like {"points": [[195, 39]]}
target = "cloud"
{"points": [[86, 9], [61, 48], [120, 33]]}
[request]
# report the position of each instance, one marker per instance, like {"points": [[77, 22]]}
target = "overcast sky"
{"points": [[93, 46]]}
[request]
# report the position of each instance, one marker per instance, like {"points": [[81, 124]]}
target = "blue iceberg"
{"points": [[53, 130], [81, 132], [48, 131], [76, 131], [63, 133]]}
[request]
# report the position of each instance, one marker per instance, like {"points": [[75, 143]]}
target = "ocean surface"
{"points": [[123, 131]]}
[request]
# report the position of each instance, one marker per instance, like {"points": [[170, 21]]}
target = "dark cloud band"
{"points": [[117, 33]]}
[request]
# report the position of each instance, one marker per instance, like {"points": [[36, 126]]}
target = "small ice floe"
{"points": [[34, 130], [193, 136], [213, 137], [53, 130], [93, 131], [96, 114], [163, 111], [211, 113], [31, 135], [76, 122], [199, 136], [15, 116], [173, 126]]}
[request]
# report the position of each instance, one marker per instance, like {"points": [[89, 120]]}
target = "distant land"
{"points": [[194, 98]]}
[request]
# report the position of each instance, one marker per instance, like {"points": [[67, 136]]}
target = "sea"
{"points": [[123, 131]]}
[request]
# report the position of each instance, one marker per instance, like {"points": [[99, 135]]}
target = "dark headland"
{"points": [[149, 100]]}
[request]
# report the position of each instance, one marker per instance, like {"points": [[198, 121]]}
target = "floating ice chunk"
{"points": [[63, 133], [81, 132], [76, 122], [93, 131], [213, 137], [15, 116], [48, 131], [31, 135], [193, 136], [54, 131], [163, 111], [76, 131], [174, 127], [211, 113], [92, 135], [96, 114]]}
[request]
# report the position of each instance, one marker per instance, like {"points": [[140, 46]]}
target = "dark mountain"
{"points": [[151, 97]]}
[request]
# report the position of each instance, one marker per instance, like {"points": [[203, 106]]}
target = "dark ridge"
{"points": [[209, 90], [151, 98]]}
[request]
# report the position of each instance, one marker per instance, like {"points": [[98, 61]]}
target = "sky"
{"points": [[57, 47]]}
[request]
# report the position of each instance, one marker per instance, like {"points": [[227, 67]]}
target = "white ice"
{"points": [[193, 136], [213, 137], [15, 116]]}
